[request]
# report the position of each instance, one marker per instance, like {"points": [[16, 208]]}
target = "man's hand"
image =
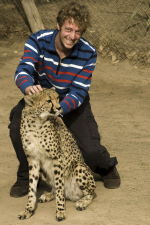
{"points": [[33, 89]]}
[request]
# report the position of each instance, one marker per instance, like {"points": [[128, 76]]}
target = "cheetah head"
{"points": [[43, 104]]}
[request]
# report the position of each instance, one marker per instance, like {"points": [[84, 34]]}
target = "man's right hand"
{"points": [[33, 89]]}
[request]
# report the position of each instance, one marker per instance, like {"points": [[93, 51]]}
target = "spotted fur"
{"points": [[51, 149]]}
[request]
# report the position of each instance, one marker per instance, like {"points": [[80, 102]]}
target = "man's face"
{"points": [[69, 34]]}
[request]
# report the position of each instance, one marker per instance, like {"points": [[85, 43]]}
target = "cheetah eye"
{"points": [[49, 101]]}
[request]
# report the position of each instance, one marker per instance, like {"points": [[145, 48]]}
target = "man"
{"points": [[62, 59]]}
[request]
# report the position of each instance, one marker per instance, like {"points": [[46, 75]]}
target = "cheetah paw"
{"points": [[60, 216], [46, 197], [25, 215], [80, 206]]}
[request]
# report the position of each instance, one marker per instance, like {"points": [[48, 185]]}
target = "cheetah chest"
{"points": [[38, 139]]}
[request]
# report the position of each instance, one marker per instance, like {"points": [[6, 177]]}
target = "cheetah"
{"points": [[52, 151]]}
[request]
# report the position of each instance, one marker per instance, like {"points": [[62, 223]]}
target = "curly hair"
{"points": [[79, 14]]}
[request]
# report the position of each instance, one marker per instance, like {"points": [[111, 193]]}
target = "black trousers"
{"points": [[83, 126]]}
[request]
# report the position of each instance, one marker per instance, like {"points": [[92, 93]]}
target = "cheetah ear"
{"points": [[28, 100]]}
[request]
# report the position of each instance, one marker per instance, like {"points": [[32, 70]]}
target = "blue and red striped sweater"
{"points": [[42, 65]]}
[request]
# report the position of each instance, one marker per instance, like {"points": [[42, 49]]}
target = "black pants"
{"points": [[82, 124]]}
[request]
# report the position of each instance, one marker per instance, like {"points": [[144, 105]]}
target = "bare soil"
{"points": [[120, 100]]}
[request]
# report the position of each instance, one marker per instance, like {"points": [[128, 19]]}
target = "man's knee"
{"points": [[15, 120], [15, 116], [14, 127]]}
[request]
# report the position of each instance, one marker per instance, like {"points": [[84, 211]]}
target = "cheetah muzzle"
{"points": [[51, 149]]}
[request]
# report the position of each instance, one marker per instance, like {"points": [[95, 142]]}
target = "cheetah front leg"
{"points": [[34, 168], [60, 196], [86, 183]]}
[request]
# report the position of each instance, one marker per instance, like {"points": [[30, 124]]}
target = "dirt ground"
{"points": [[120, 99]]}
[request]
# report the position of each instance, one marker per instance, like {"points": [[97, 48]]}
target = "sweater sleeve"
{"points": [[26, 69], [79, 87]]}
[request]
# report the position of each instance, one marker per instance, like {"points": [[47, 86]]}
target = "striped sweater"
{"points": [[71, 76]]}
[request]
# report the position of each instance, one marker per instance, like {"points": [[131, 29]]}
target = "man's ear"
{"points": [[29, 99], [58, 27]]}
